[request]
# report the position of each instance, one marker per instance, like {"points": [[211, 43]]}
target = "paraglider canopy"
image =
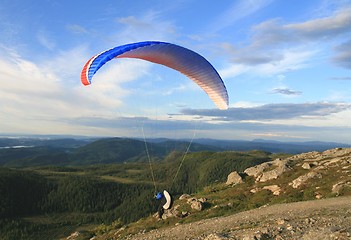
{"points": [[186, 61], [169, 200]]}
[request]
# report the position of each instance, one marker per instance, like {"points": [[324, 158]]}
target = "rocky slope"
{"points": [[324, 177], [319, 219]]}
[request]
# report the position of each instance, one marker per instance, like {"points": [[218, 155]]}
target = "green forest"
{"points": [[55, 200]]}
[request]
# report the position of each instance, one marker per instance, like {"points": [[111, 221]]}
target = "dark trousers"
{"points": [[160, 209]]}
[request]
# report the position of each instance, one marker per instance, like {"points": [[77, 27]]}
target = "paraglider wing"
{"points": [[186, 61]]}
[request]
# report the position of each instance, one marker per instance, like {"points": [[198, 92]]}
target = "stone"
{"points": [[234, 178], [254, 190], [185, 214], [281, 221], [215, 236], [304, 178], [262, 175], [257, 170], [196, 205], [184, 196], [203, 200], [318, 196], [275, 189], [306, 165], [73, 235], [191, 200], [336, 189]]}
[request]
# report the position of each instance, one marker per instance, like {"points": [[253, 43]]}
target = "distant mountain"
{"points": [[23, 152], [271, 146], [103, 151], [16, 142]]}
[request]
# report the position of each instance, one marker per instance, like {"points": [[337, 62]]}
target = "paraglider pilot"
{"points": [[160, 197], [165, 202]]}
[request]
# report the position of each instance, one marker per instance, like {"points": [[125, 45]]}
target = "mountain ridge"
{"points": [[25, 152]]}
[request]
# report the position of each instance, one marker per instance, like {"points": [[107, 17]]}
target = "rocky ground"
{"points": [[324, 177], [318, 219]]}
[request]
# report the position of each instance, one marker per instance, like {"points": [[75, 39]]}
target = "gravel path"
{"points": [[319, 219]]}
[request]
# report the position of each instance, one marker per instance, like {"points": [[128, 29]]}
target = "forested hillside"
{"points": [[103, 151], [28, 152], [54, 200]]}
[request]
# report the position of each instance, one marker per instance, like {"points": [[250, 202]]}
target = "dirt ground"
{"points": [[318, 219]]}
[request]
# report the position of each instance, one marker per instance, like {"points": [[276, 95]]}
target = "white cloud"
{"points": [[271, 112], [285, 91], [343, 55], [338, 23], [45, 40], [106, 87], [133, 22], [75, 28], [291, 59], [39, 98], [238, 10], [276, 47], [148, 26], [340, 95], [46, 95], [231, 71], [280, 135]]}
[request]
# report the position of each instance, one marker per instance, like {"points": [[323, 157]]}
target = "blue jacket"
{"points": [[159, 195]]}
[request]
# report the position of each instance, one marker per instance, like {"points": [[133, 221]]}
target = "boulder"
{"points": [[168, 214], [191, 200], [73, 236], [173, 212], [266, 176], [318, 195], [257, 170], [234, 178], [203, 200], [184, 196], [304, 178], [339, 186], [306, 165], [196, 205], [184, 214], [275, 189], [262, 172], [254, 190]]}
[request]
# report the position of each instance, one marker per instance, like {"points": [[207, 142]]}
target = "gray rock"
{"points": [[275, 189], [304, 178], [196, 205], [184, 196], [339, 186], [261, 173], [234, 178], [306, 165]]}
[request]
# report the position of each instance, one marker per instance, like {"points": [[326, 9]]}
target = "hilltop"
{"points": [[301, 196]]}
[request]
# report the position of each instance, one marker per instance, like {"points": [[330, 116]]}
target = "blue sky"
{"points": [[286, 65]]}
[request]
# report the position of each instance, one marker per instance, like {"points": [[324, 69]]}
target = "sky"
{"points": [[286, 65]]}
